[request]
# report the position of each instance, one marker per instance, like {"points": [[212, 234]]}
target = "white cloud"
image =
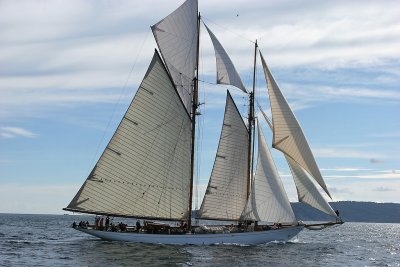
{"points": [[388, 171], [345, 153], [52, 46], [48, 199], [357, 93], [305, 96], [11, 132], [377, 191], [328, 34], [383, 189], [366, 176], [345, 169]]}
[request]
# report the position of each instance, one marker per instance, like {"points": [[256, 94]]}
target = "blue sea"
{"points": [[48, 240]]}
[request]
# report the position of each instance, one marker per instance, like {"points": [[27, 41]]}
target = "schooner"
{"points": [[147, 169]]}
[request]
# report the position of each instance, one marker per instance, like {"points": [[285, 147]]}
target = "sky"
{"points": [[69, 69]]}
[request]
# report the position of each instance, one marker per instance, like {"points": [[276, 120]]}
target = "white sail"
{"points": [[288, 136], [268, 200], [226, 194], [226, 72], [145, 169], [176, 37], [307, 191]]}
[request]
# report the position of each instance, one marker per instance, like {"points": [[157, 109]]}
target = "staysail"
{"points": [[144, 171], [288, 136], [226, 193], [268, 199], [176, 37], [306, 190], [226, 72]]}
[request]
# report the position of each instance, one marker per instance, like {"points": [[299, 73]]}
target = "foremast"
{"points": [[251, 124], [195, 105]]}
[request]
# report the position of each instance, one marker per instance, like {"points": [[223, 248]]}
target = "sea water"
{"points": [[48, 240]]}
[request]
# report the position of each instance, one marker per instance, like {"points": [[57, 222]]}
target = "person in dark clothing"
{"points": [[138, 226], [107, 223], [338, 219], [101, 224], [96, 222]]}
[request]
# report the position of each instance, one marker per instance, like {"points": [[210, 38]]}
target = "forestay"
{"points": [[288, 136], [145, 169], [306, 190], [226, 193], [268, 199], [226, 72], [176, 37]]}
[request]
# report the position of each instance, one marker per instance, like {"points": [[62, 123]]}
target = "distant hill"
{"points": [[352, 211]]}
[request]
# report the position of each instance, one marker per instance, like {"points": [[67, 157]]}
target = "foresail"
{"points": [[176, 37], [307, 191], [268, 200], [145, 169], [288, 136], [226, 72], [226, 194]]}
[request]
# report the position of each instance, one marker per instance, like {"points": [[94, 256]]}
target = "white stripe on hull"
{"points": [[246, 238]]}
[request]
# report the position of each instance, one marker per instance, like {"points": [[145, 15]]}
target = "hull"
{"points": [[246, 238]]}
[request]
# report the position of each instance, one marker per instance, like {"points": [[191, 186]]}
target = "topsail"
{"points": [[226, 72], [176, 36]]}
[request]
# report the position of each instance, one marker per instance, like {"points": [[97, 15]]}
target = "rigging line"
{"points": [[168, 168], [202, 109], [228, 29], [200, 134], [203, 81], [198, 153], [226, 86], [123, 92], [150, 147]]}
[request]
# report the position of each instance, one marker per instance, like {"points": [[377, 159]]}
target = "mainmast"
{"points": [[251, 124], [194, 111]]}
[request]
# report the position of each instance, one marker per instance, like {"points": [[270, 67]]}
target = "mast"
{"points": [[194, 111], [251, 124]]}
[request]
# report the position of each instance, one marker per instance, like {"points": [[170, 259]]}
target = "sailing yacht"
{"points": [[146, 171]]}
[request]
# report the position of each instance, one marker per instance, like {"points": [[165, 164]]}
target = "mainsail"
{"points": [[268, 199], [287, 134], [144, 171], [226, 194], [226, 72], [176, 37]]}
